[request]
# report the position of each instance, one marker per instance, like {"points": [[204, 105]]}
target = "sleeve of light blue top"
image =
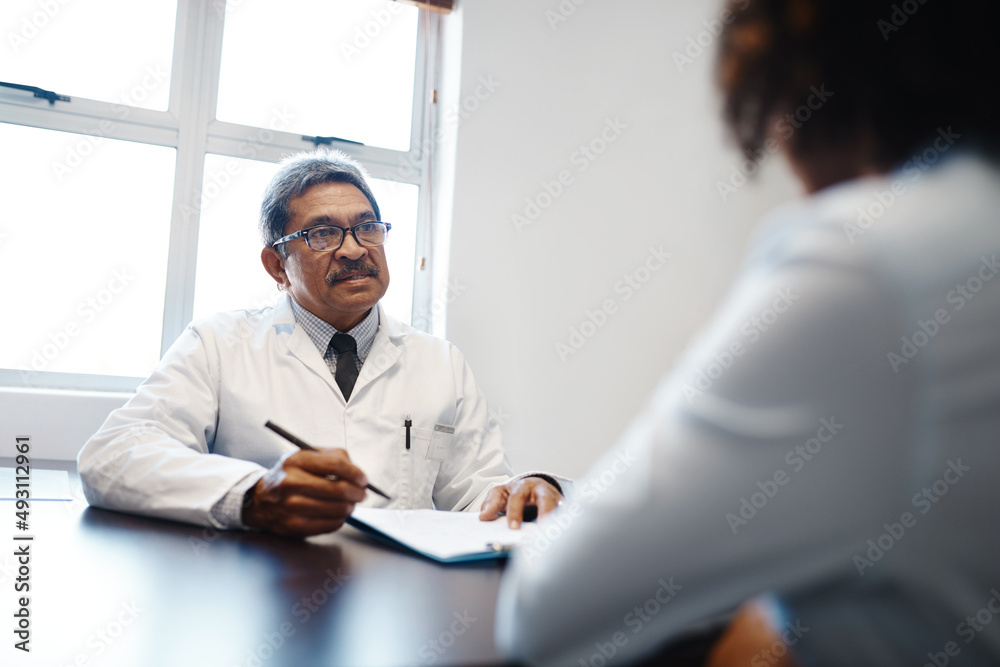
{"points": [[740, 475]]}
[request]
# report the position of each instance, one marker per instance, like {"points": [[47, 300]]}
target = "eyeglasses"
{"points": [[330, 237]]}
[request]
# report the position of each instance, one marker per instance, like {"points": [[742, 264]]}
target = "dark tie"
{"points": [[347, 370]]}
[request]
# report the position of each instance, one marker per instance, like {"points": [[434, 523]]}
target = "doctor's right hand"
{"points": [[297, 498]]}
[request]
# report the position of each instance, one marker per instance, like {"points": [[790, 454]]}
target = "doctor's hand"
{"points": [[512, 498], [296, 497]]}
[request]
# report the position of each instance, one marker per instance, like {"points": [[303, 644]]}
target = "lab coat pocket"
{"points": [[423, 470], [440, 445], [417, 441]]}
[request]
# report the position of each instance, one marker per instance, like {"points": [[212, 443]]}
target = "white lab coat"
{"points": [[195, 428]]}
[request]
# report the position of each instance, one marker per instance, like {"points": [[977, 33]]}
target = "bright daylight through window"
{"points": [[135, 159]]}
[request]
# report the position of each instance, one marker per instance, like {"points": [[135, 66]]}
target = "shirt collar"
{"points": [[320, 331]]}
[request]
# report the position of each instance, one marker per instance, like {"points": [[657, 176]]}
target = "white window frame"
{"points": [[190, 126]]}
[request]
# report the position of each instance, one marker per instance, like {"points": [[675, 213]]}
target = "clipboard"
{"points": [[445, 537]]}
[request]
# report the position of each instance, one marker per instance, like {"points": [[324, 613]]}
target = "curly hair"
{"points": [[893, 71]]}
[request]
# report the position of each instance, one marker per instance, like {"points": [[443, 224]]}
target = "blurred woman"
{"points": [[831, 438]]}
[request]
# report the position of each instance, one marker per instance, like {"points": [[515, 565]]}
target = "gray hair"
{"points": [[300, 172]]}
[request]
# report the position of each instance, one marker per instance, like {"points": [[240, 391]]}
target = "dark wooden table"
{"points": [[114, 589]]}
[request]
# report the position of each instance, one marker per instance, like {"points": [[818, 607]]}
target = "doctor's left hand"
{"points": [[298, 498], [512, 497]]}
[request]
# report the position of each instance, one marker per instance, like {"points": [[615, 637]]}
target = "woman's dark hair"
{"points": [[893, 72]]}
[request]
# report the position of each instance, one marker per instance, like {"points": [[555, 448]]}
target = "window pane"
{"points": [[83, 254], [398, 203], [230, 273], [116, 51], [340, 69]]}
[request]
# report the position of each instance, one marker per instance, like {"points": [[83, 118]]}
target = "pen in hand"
{"points": [[302, 444]]}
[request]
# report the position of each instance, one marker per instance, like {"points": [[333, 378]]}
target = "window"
{"points": [[134, 203], [89, 49], [363, 90], [84, 257]]}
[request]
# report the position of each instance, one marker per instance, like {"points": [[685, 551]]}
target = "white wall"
{"points": [[558, 86]]}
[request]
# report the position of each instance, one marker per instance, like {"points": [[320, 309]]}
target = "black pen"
{"points": [[407, 423], [302, 444]]}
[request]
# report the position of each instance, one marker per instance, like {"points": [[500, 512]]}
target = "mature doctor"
{"points": [[385, 403]]}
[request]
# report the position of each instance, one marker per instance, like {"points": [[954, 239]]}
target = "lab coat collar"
{"points": [[393, 327], [283, 314], [385, 351], [298, 342]]}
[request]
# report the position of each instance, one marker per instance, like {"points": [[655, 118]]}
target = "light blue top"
{"points": [[832, 435]]}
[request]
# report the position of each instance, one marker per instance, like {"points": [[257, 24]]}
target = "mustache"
{"points": [[355, 267]]}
